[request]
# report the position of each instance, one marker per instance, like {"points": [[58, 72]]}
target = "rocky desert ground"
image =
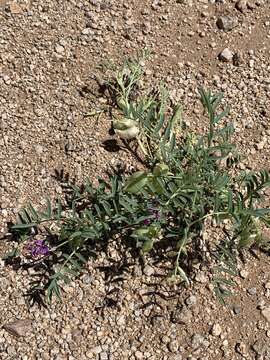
{"points": [[51, 58]]}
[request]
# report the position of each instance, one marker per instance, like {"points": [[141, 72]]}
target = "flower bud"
{"points": [[161, 169]]}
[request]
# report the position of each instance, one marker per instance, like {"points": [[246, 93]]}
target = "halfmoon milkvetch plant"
{"points": [[189, 180]]}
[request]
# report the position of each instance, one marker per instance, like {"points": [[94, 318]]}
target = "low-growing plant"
{"points": [[188, 180]]}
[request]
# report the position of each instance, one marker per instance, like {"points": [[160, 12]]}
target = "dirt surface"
{"points": [[50, 57]]}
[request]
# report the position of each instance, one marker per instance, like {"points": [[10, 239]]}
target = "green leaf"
{"points": [[26, 216], [53, 289], [59, 209], [76, 234], [161, 169], [106, 207], [34, 213], [23, 226], [258, 212], [156, 185], [136, 182], [183, 275], [147, 246], [49, 209], [80, 257], [11, 254]]}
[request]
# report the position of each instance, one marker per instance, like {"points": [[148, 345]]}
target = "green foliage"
{"points": [[187, 181]]}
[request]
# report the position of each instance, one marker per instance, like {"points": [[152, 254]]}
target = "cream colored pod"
{"points": [[126, 128]]}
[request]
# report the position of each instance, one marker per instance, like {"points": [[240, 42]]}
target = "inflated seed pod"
{"points": [[126, 128]]}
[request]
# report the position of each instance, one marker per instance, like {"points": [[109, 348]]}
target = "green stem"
{"points": [[206, 216]]}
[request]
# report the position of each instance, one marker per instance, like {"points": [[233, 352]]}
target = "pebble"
{"points": [[173, 346], [139, 355], [252, 291], [244, 274], [226, 23], [241, 348], [226, 55], [266, 313], [19, 328], [39, 149], [261, 347], [103, 356], [181, 316], [201, 278], [216, 330], [236, 309], [198, 340], [260, 145], [97, 349], [241, 5], [148, 270], [15, 8], [191, 300], [59, 49]]}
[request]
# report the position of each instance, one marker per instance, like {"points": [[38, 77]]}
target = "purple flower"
{"points": [[155, 213], [37, 248], [146, 221]]}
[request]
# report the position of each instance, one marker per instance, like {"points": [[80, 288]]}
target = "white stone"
{"points": [[216, 330], [266, 313], [226, 55]]}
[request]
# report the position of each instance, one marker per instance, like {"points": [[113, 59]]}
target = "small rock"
{"points": [[260, 347], [226, 55], [148, 270], [137, 270], [260, 145], [20, 301], [267, 285], [261, 304], [216, 330], [201, 278], [191, 300], [173, 346], [3, 3], [237, 59], [165, 339], [157, 320], [86, 31], [236, 309], [241, 5], [39, 149], [15, 8], [181, 316], [96, 350], [252, 291], [59, 49], [244, 274], [198, 341], [103, 356], [87, 279], [226, 23], [138, 355], [241, 349], [177, 357], [266, 313], [251, 5], [19, 327]]}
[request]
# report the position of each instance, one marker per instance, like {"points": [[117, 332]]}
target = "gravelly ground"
{"points": [[49, 53]]}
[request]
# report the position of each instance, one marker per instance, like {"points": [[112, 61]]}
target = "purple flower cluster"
{"points": [[38, 248], [154, 215]]}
